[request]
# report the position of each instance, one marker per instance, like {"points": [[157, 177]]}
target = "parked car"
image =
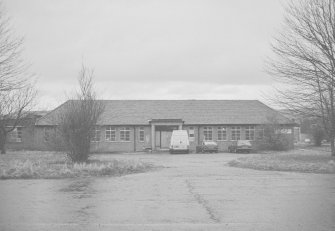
{"points": [[179, 142], [241, 146], [208, 146]]}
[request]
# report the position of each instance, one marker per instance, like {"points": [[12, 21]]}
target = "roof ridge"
{"points": [[51, 111], [178, 100], [276, 111]]}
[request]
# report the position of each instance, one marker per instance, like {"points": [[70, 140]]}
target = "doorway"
{"points": [[163, 136]]}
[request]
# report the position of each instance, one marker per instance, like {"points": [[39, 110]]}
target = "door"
{"points": [[163, 139], [158, 139], [166, 139]]}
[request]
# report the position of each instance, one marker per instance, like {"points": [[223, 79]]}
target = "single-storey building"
{"points": [[135, 125], [23, 136]]}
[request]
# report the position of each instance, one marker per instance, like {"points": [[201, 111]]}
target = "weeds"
{"points": [[296, 161], [55, 167]]}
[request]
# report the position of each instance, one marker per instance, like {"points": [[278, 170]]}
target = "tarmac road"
{"points": [[190, 192]]}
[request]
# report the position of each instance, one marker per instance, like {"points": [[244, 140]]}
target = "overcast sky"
{"points": [[172, 49]]}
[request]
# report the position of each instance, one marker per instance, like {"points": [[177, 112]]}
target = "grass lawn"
{"points": [[53, 165], [307, 159]]}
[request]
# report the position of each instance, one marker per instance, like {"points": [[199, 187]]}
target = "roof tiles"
{"points": [[140, 112]]}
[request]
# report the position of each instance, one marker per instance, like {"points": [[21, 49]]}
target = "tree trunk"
{"points": [[3, 150], [3, 137], [3, 144], [332, 146]]}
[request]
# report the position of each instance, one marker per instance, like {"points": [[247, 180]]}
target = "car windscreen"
{"points": [[209, 143], [243, 142]]}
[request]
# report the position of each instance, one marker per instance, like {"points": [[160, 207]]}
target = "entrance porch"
{"points": [[161, 132]]}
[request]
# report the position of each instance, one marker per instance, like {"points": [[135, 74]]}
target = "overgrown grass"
{"points": [[314, 160], [48, 165]]}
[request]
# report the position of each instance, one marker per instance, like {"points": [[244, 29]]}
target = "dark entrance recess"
{"points": [[163, 135]]}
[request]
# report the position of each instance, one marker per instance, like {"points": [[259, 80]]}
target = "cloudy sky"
{"points": [[149, 49]]}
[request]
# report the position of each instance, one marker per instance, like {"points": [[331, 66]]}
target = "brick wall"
{"points": [[123, 146], [129, 146], [27, 138]]}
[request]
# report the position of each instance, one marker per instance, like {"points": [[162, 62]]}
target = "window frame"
{"points": [[125, 130], [46, 134], [15, 136], [222, 133], [111, 130], [191, 133], [141, 134], [19, 134], [96, 138], [234, 130], [208, 130], [249, 129], [260, 134]]}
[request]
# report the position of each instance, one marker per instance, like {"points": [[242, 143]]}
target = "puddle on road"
{"points": [[80, 188]]}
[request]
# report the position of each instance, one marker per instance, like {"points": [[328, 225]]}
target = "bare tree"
{"points": [[14, 107], [13, 69], [79, 118], [16, 88], [304, 60], [317, 134]]}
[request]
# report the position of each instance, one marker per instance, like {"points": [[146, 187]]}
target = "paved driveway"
{"points": [[191, 192]]}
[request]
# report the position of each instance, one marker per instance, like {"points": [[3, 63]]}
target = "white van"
{"points": [[179, 141]]}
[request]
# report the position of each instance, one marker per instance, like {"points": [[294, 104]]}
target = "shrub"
{"points": [[275, 136], [79, 118], [318, 134]]}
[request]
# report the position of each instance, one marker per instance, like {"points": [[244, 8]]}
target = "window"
{"points": [[125, 134], [191, 133], [208, 134], [283, 131], [16, 135], [96, 134], [250, 133], [49, 133], [222, 133], [141, 131], [110, 134], [235, 133], [260, 134], [46, 135]]}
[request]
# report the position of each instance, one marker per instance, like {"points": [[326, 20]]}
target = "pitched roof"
{"points": [[140, 112], [27, 118]]}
